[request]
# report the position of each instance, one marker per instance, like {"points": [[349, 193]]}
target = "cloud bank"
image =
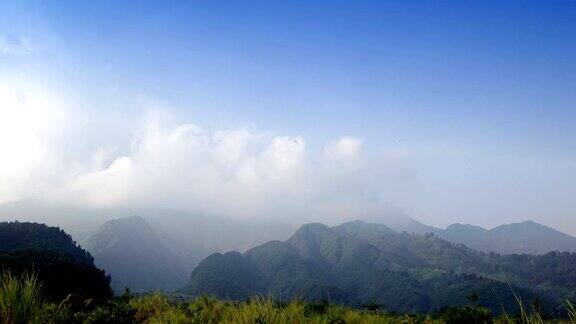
{"points": [[56, 155]]}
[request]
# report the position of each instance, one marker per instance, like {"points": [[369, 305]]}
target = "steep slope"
{"points": [[130, 251], [62, 266], [358, 263]]}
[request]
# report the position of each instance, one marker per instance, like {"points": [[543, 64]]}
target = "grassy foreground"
{"points": [[20, 303]]}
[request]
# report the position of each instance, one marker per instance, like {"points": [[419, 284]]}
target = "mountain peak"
{"points": [[532, 224], [528, 224], [402, 223], [465, 227], [311, 229], [134, 219], [310, 233], [130, 250], [359, 226]]}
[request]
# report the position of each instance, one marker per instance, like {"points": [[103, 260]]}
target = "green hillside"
{"points": [[358, 263]]}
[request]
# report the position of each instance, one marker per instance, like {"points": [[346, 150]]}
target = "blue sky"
{"points": [[474, 101]]}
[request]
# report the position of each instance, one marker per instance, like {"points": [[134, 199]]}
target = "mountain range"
{"points": [[192, 236], [360, 263], [159, 253], [527, 237], [354, 263]]}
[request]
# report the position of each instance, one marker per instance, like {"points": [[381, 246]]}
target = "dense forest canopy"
{"points": [[62, 266]]}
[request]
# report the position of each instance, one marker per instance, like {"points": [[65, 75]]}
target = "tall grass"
{"points": [[260, 310], [529, 315], [571, 309], [20, 301]]}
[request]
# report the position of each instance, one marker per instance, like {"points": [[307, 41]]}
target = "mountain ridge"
{"points": [[526, 237], [406, 272]]}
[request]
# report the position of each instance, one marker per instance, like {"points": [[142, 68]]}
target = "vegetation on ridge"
{"points": [[63, 267]]}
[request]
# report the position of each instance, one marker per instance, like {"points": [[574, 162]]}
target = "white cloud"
{"points": [[187, 167], [105, 187], [30, 120], [345, 152], [161, 163]]}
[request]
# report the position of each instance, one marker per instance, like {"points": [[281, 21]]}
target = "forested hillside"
{"points": [[358, 263], [61, 265]]}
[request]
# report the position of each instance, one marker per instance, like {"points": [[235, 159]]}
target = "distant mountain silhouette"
{"points": [[358, 263], [193, 236], [131, 252], [517, 238], [530, 237], [401, 223]]}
